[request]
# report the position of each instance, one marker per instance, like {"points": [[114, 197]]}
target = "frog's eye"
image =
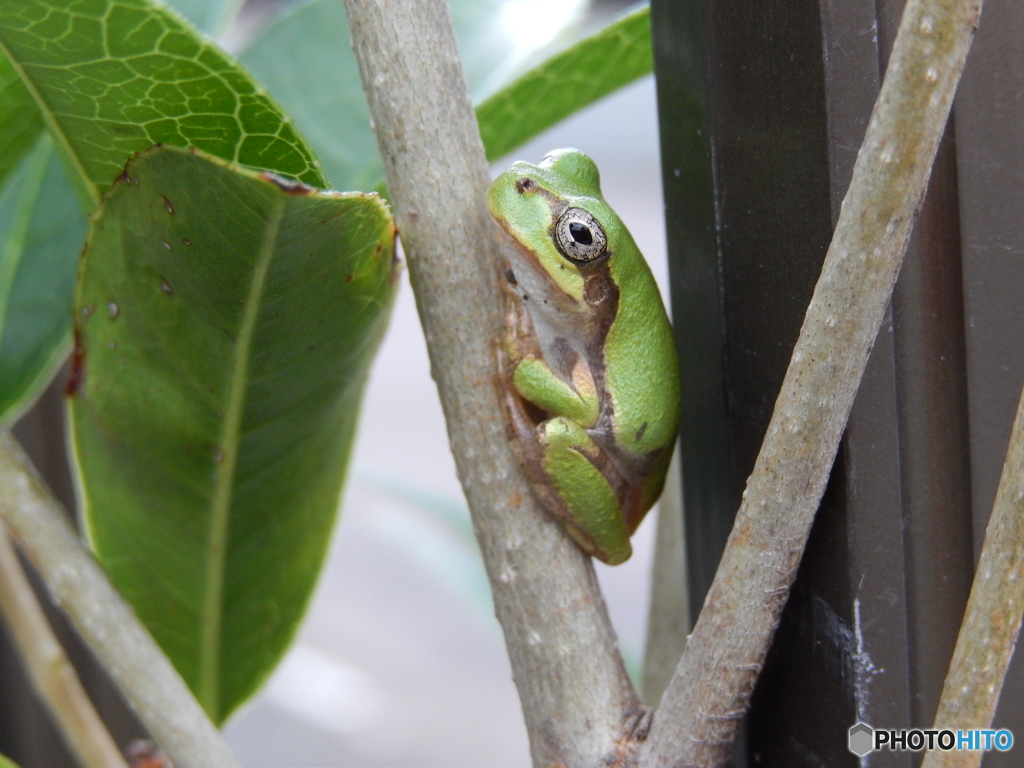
{"points": [[579, 237]]}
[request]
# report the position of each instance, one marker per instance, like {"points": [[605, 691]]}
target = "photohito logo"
{"points": [[864, 739]]}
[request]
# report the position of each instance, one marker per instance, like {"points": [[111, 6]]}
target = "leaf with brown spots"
{"points": [[213, 413]]}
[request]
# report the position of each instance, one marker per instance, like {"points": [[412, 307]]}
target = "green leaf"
{"points": [[114, 77], [594, 67], [41, 231], [225, 326], [42, 225], [6, 762], [305, 61], [20, 121]]}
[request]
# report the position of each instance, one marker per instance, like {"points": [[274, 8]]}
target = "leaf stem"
{"points": [[701, 709], [105, 621], [49, 669]]}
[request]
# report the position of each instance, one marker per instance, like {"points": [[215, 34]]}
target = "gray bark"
{"points": [[992, 620], [572, 683], [49, 669]]}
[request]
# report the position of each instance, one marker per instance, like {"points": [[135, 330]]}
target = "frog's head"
{"points": [[574, 172], [563, 228]]}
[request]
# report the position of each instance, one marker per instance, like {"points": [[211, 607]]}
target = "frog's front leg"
{"points": [[566, 461], [536, 382]]}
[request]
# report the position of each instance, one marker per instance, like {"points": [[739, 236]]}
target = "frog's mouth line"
{"points": [[553, 289]]}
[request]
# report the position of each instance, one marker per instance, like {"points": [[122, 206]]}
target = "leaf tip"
{"points": [[288, 186]]}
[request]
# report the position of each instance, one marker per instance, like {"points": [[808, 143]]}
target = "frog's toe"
{"points": [[638, 723]]}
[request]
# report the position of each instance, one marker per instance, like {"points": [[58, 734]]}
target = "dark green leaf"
{"points": [[42, 225], [113, 77], [594, 67], [225, 327], [20, 121], [41, 230]]}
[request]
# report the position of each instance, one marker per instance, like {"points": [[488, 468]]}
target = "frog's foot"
{"points": [[638, 723], [587, 504]]}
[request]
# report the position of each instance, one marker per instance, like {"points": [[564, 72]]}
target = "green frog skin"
{"points": [[590, 377]]}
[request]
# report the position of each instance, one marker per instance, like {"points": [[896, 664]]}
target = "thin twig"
{"points": [[572, 683], [105, 621], [668, 620], [743, 606], [992, 619], [50, 671]]}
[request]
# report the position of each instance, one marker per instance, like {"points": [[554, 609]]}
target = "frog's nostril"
{"points": [[525, 184]]}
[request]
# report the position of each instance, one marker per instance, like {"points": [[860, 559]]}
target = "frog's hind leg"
{"points": [[590, 507]]}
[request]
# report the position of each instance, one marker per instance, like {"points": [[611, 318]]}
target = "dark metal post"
{"points": [[785, 91]]}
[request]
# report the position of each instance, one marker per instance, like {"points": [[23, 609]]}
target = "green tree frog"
{"points": [[590, 378]]}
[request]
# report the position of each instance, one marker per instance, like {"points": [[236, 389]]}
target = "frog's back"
{"points": [[646, 392], [642, 369]]}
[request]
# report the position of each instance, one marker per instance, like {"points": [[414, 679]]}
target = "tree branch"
{"points": [[992, 619], [49, 669], [701, 710], [572, 683], [104, 620], [668, 619]]}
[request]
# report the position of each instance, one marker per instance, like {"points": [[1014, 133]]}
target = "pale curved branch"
{"points": [[50, 671], [992, 619], [105, 621]]}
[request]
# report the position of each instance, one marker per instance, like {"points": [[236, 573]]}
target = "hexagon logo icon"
{"points": [[862, 737]]}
